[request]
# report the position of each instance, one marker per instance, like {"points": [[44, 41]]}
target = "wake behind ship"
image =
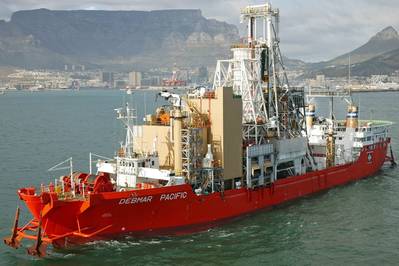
{"points": [[250, 142]]}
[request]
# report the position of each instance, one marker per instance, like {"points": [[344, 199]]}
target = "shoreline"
{"points": [[164, 88], [99, 88]]}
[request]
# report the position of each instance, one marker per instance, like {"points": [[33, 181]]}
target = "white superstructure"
{"points": [[348, 136]]}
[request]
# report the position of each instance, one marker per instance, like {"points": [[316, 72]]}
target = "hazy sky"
{"points": [[311, 30]]}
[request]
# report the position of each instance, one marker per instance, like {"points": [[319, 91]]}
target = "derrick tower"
{"points": [[256, 72]]}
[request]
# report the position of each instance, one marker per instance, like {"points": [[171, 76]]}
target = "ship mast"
{"points": [[126, 115]]}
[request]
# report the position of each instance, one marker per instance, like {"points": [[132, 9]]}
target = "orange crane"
{"points": [[174, 81]]}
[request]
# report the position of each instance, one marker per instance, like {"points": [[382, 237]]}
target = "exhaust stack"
{"points": [[177, 140], [352, 117]]}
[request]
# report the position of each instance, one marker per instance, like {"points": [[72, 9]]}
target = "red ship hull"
{"points": [[176, 209]]}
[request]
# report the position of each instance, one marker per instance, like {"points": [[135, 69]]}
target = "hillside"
{"points": [[384, 41]]}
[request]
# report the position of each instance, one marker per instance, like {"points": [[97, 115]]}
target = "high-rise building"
{"points": [[135, 79]]}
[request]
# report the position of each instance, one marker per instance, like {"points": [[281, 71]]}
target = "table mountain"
{"points": [[113, 39]]}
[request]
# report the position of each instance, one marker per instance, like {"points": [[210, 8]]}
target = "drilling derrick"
{"points": [[256, 73], [243, 74], [285, 105]]}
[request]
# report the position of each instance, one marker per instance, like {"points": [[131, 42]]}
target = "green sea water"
{"points": [[357, 224]]}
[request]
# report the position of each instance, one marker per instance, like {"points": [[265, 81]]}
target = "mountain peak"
{"points": [[389, 33]]}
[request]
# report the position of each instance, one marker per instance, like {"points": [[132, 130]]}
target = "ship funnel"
{"points": [[352, 117], [310, 115]]}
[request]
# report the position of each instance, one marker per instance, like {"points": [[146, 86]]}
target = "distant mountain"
{"points": [[113, 39], [125, 40], [384, 41], [384, 64], [374, 57]]}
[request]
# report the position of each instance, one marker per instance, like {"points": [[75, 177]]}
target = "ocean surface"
{"points": [[356, 224]]}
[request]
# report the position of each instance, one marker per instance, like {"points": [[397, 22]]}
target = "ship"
{"points": [[210, 155]]}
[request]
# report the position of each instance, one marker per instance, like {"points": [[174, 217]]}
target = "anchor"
{"points": [[14, 240], [38, 249]]}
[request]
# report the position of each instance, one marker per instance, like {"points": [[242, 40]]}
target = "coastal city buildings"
{"points": [[81, 77]]}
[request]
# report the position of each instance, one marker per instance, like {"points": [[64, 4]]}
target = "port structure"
{"points": [[257, 74]]}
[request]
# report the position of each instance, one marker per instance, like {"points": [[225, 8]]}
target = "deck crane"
{"points": [[173, 98]]}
